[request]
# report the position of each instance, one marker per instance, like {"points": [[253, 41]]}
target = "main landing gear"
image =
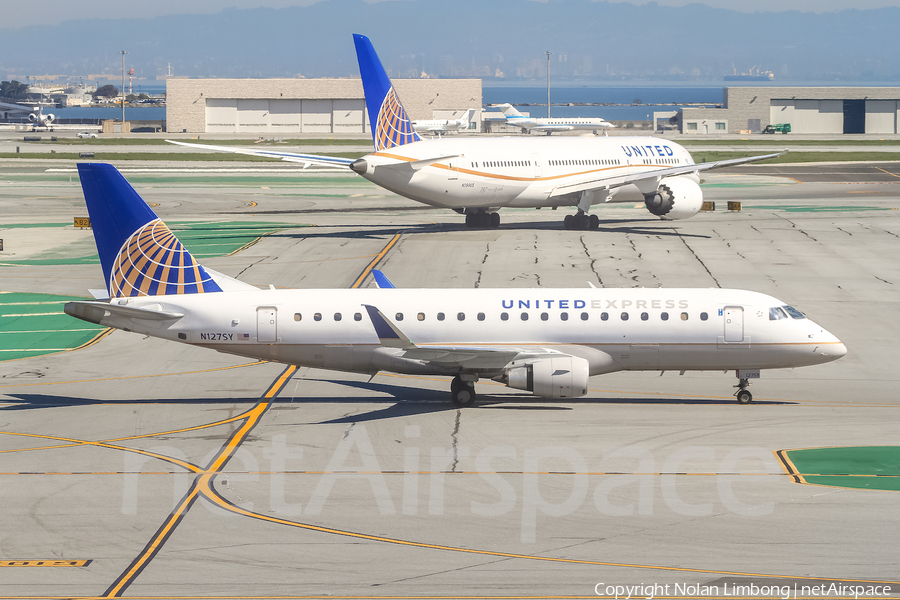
{"points": [[743, 395], [482, 220], [581, 221], [462, 391]]}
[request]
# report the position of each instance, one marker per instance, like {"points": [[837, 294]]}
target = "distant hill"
{"points": [[589, 40]]}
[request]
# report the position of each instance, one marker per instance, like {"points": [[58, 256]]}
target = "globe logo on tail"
{"points": [[393, 127], [153, 262]]}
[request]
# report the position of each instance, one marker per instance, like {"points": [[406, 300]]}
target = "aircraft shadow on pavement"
{"points": [[36, 401]]}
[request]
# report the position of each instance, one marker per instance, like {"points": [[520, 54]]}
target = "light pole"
{"points": [[548, 84], [123, 89]]}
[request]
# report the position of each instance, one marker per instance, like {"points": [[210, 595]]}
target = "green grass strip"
{"points": [[859, 467], [35, 324]]}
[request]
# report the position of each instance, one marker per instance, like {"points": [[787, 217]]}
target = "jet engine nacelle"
{"points": [[676, 198], [556, 377], [41, 118]]}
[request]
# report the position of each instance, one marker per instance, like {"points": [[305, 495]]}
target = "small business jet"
{"points": [[478, 176], [544, 341], [439, 126], [549, 125], [35, 114]]}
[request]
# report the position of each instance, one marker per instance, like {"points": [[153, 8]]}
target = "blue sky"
{"points": [[53, 12]]}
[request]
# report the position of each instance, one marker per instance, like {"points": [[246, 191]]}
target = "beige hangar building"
{"points": [[809, 110], [298, 106]]}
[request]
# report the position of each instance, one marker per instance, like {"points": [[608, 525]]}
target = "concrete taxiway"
{"points": [[138, 468]]}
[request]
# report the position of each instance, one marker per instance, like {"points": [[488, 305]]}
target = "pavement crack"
{"points": [[454, 440], [699, 260], [593, 260]]}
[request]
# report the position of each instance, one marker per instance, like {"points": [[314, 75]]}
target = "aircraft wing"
{"points": [[484, 357], [599, 181], [305, 159], [551, 127]]}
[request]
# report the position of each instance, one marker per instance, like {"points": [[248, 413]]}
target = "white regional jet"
{"points": [[551, 124], [478, 176], [445, 125], [545, 341]]}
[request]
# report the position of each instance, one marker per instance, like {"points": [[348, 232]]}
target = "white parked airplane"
{"points": [[478, 176], [551, 124], [445, 125], [545, 341], [35, 114]]}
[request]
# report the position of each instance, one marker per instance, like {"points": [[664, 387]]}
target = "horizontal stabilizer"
{"points": [[308, 159], [97, 312]]}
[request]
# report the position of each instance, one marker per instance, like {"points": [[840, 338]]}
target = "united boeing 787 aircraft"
{"points": [[477, 176], [545, 341]]}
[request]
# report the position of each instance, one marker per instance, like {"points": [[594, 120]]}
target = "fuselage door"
{"points": [[734, 323], [454, 168], [536, 159], [266, 324]]}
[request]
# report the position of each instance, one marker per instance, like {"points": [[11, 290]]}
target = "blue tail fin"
{"points": [[388, 120], [139, 255]]}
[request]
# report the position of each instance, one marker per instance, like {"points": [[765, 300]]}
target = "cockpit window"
{"points": [[776, 313], [793, 312]]}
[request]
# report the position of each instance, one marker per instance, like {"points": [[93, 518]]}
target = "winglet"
{"points": [[388, 333], [381, 280]]}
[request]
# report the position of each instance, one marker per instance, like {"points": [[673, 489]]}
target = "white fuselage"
{"points": [[514, 172], [613, 329], [560, 124]]}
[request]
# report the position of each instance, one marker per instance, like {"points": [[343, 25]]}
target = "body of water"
{"points": [[673, 97]]}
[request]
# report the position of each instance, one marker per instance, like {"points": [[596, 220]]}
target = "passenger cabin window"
{"points": [[399, 316], [357, 316], [644, 316], [420, 316], [440, 316], [524, 316], [684, 316], [664, 316], [584, 316], [337, 316], [298, 317], [317, 317], [703, 316], [504, 316], [604, 316], [460, 316], [481, 316], [624, 316], [564, 316]]}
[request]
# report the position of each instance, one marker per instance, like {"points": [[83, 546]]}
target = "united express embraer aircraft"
{"points": [[546, 341], [478, 176]]}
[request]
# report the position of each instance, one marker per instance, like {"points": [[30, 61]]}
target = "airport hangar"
{"points": [[299, 106], [809, 110]]}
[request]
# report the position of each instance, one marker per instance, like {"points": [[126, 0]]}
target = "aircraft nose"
{"points": [[836, 350]]}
